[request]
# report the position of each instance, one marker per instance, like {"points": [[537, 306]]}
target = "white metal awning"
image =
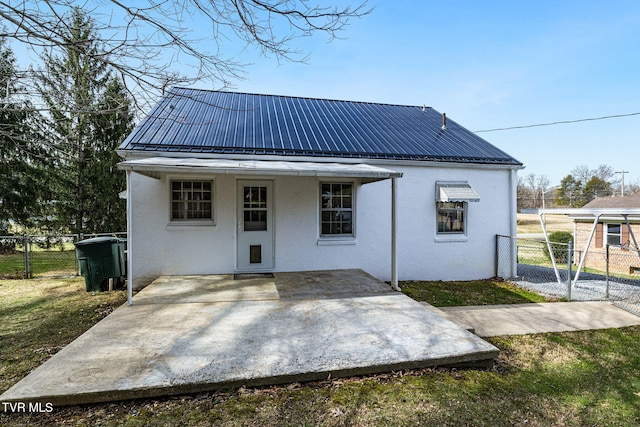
{"points": [[154, 166], [455, 192]]}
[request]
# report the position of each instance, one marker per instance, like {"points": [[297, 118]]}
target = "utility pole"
{"points": [[622, 172], [545, 192]]}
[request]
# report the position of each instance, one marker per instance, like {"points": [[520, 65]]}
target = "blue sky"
{"points": [[488, 64]]}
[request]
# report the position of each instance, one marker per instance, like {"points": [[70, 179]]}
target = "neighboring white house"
{"points": [[223, 182]]}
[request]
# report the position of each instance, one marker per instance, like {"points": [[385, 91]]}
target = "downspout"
{"points": [[513, 220], [394, 233], [129, 242]]}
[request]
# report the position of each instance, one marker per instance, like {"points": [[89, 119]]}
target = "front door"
{"points": [[255, 225]]}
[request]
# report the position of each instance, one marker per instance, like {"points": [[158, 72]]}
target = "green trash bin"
{"points": [[101, 259]]}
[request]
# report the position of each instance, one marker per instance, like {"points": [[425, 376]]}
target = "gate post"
{"points": [[27, 273], [607, 273], [497, 264], [569, 262], [25, 256]]}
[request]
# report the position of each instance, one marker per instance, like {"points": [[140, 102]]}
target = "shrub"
{"points": [[8, 245], [559, 241]]}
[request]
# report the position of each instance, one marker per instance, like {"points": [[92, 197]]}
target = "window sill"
{"points": [[451, 238], [189, 225], [336, 241]]}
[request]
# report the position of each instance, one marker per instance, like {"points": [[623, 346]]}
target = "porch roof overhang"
{"points": [[155, 166]]}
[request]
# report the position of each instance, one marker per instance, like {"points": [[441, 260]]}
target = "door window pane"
{"points": [[255, 208], [255, 220], [255, 197]]}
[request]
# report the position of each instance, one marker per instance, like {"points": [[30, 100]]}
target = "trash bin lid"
{"points": [[97, 241]]}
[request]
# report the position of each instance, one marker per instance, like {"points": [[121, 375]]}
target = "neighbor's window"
{"points": [[451, 217], [614, 236], [191, 200], [336, 209]]}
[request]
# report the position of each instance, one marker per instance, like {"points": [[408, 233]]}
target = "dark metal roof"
{"points": [[201, 121]]}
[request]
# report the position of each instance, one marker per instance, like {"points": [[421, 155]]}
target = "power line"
{"points": [[560, 122]]}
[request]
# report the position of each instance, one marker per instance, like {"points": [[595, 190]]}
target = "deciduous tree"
{"points": [[524, 195], [152, 44], [584, 185]]}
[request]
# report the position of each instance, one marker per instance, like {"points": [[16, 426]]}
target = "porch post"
{"points": [[129, 243], [394, 232]]}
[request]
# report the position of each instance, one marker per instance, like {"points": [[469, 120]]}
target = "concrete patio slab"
{"points": [[208, 288], [178, 337]]}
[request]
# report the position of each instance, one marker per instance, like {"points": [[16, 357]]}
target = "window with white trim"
{"points": [[452, 202], [451, 217], [336, 209], [614, 234], [191, 200]]}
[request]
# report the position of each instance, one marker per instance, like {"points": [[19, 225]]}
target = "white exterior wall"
{"points": [[162, 249]]}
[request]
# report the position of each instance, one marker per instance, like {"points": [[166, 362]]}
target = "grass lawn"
{"points": [[477, 292], [12, 265], [530, 223], [561, 379], [40, 316]]}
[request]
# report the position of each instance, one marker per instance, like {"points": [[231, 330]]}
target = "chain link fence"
{"points": [[611, 274], [28, 256], [13, 257]]}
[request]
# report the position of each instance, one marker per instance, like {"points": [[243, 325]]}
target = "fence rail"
{"points": [[27, 256], [611, 274]]}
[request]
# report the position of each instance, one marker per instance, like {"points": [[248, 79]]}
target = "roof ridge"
{"points": [[299, 97]]}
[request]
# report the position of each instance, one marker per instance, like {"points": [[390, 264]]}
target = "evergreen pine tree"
{"points": [[22, 176], [104, 181], [85, 123]]}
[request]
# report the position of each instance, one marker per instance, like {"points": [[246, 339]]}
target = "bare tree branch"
{"points": [[155, 44]]}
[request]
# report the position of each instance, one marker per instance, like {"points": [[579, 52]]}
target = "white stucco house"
{"points": [[224, 182]]}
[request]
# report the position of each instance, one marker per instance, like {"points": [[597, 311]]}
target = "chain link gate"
{"points": [[14, 257]]}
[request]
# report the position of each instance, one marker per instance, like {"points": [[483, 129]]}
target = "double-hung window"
{"points": [[614, 234], [191, 200], [336, 209]]}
